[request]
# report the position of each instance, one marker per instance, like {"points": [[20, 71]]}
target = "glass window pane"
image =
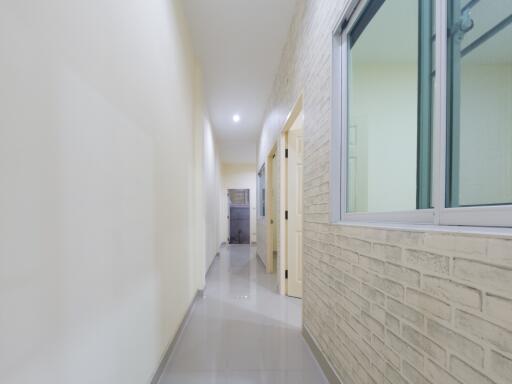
{"points": [[261, 190], [383, 109], [480, 103], [426, 82]]}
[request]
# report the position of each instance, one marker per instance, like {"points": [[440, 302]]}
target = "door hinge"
{"points": [[286, 274], [286, 153], [286, 215]]}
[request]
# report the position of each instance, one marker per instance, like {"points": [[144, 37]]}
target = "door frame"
{"points": [[297, 109], [228, 212], [269, 208]]}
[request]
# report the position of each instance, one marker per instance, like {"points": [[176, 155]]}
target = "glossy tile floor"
{"points": [[242, 331]]}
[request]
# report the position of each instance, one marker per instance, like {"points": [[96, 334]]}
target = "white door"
{"points": [[274, 222], [294, 207]]}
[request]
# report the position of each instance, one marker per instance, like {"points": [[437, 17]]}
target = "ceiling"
{"points": [[239, 44]]}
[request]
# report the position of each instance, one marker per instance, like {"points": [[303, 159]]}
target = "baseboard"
{"points": [[211, 264], [177, 336], [261, 260], [327, 368]]}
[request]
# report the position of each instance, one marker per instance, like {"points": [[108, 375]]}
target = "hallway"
{"points": [[242, 331], [362, 150]]}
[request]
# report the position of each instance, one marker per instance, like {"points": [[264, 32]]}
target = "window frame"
{"points": [[262, 210], [440, 213]]}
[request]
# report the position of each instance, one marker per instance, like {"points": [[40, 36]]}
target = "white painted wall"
{"points": [[238, 177], [213, 193], [384, 144], [486, 133], [207, 234], [99, 259]]}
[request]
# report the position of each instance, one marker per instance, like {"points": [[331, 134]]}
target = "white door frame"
{"points": [[298, 107], [228, 213], [269, 207]]}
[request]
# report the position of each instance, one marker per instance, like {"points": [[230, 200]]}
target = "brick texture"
{"points": [[385, 305]]}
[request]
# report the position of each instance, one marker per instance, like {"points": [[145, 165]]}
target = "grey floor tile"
{"points": [[242, 330]]}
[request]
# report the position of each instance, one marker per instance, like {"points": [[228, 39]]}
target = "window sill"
{"points": [[501, 232]]}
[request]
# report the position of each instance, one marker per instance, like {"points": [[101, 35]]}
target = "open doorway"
{"points": [[239, 216], [284, 199], [272, 222]]}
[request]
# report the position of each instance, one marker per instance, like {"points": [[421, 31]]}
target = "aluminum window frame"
{"points": [[261, 191], [440, 213]]}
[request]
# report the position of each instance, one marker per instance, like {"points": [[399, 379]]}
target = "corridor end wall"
{"points": [[238, 176]]}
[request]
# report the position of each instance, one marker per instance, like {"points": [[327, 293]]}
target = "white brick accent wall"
{"points": [[386, 306]]}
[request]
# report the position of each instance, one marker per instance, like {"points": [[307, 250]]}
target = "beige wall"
{"points": [[212, 192], [98, 255], [386, 305], [238, 177]]}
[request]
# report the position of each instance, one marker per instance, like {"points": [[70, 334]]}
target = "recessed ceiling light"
{"points": [[236, 118]]}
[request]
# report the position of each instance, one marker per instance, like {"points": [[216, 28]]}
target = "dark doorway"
{"points": [[239, 216]]}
